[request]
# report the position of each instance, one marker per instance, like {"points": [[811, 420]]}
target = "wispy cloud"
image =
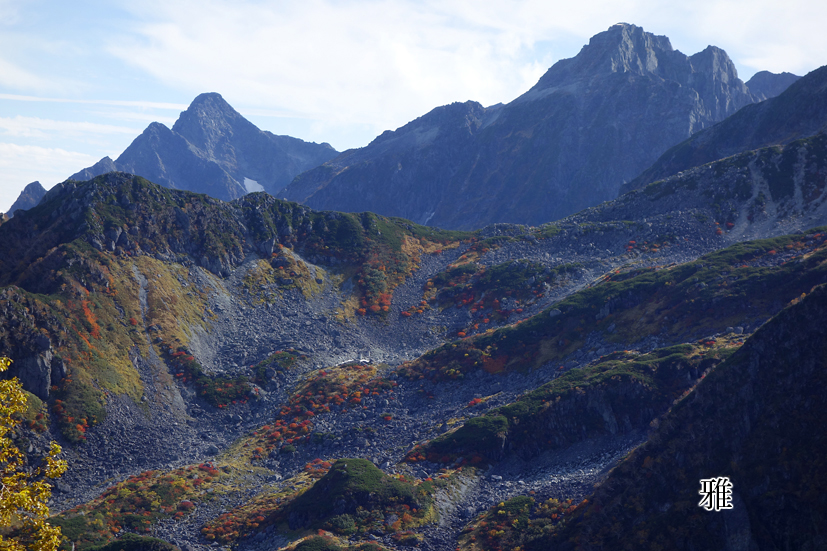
{"points": [[378, 62], [36, 127], [119, 103], [16, 78]]}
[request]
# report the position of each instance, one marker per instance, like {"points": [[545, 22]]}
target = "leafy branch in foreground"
{"points": [[24, 492]]}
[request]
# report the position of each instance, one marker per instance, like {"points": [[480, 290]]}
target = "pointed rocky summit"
{"points": [[29, 197], [212, 149]]}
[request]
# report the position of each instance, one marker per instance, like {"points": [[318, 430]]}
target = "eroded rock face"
{"points": [[40, 370], [590, 124]]}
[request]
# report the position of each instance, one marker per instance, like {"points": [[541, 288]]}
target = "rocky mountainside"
{"points": [[29, 197], [212, 149], [798, 112], [373, 379], [590, 124]]}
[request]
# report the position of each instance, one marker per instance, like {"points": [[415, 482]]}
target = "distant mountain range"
{"points": [[590, 124], [580, 136], [212, 149]]}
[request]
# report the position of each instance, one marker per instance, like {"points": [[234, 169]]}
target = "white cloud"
{"points": [[23, 164], [118, 103], [381, 62], [34, 127], [15, 78]]}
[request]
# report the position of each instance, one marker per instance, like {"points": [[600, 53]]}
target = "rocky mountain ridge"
{"points": [[212, 149], [590, 124], [765, 85], [734, 416]]}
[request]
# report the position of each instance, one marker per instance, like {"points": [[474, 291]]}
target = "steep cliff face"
{"points": [[212, 149], [591, 123], [799, 112]]}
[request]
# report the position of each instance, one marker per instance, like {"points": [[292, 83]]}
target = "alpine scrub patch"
{"points": [[352, 498], [510, 524], [218, 391], [323, 391], [377, 253], [279, 361], [90, 320], [132, 542], [325, 541], [494, 293], [255, 514], [137, 503]]}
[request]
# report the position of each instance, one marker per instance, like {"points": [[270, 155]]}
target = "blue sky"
{"points": [[79, 80]]}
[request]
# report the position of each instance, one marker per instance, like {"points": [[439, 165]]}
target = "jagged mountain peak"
{"points": [[765, 84], [155, 128], [210, 120], [714, 60], [590, 124], [623, 48], [28, 198], [628, 48], [213, 149]]}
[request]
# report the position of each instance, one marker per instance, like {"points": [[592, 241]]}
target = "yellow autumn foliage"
{"points": [[23, 495]]}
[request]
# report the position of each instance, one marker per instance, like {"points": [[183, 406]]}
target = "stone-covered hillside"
{"points": [[330, 380]]}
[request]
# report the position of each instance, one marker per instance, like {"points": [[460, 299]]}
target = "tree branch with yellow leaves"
{"points": [[24, 493]]}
